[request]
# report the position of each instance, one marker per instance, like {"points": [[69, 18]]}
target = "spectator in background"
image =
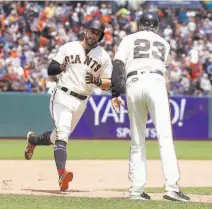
{"points": [[32, 32], [205, 84]]}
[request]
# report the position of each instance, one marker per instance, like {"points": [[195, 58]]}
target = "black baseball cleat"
{"points": [[30, 147], [143, 196], [176, 196]]}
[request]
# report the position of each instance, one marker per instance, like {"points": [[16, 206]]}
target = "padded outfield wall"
{"points": [[21, 112]]}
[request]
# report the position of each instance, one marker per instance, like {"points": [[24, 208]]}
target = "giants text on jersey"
{"points": [[75, 63]]}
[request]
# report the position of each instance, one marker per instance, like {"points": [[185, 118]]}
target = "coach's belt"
{"points": [[142, 72], [79, 96]]}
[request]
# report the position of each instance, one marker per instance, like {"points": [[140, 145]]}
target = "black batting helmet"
{"points": [[148, 21], [97, 25]]}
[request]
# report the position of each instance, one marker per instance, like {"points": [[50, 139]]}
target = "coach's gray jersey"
{"points": [[144, 50]]}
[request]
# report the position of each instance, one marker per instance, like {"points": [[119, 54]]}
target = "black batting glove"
{"points": [[90, 78]]}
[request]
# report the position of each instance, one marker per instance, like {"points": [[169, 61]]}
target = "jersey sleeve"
{"points": [[122, 51], [60, 56], [106, 70]]}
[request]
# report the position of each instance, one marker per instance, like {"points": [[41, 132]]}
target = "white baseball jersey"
{"points": [[144, 50], [72, 56]]}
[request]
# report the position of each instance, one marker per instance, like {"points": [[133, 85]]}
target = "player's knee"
{"points": [[61, 135], [54, 138]]}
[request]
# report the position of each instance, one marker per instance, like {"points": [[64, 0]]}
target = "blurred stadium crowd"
{"points": [[32, 32]]}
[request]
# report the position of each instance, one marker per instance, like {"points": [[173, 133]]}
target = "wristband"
{"points": [[99, 83], [115, 94]]}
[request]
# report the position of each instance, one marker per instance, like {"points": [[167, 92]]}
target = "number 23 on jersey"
{"points": [[143, 49]]}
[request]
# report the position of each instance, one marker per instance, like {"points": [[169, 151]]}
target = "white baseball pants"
{"points": [[149, 94], [66, 111]]}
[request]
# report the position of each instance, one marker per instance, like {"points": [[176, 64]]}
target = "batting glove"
{"points": [[90, 78]]}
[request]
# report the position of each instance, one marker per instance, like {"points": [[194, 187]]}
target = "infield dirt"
{"points": [[96, 178]]}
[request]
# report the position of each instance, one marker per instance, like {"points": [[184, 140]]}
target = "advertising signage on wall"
{"points": [[189, 117]]}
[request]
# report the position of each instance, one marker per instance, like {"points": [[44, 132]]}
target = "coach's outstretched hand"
{"points": [[116, 102]]}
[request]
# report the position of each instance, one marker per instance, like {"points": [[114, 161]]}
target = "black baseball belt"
{"points": [[142, 72], [79, 96]]}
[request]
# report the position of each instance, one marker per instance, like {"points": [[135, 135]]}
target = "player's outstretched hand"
{"points": [[89, 77], [116, 102]]}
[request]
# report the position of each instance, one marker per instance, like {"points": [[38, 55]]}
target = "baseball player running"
{"points": [[144, 57], [81, 66]]}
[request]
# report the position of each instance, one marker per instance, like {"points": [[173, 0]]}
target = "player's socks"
{"points": [[60, 172], [43, 139], [60, 156]]}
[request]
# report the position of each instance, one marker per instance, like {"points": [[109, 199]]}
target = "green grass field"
{"points": [[94, 149], [187, 190], [43, 202]]}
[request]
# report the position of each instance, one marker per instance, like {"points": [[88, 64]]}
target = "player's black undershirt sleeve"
{"points": [[54, 68], [118, 78]]}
